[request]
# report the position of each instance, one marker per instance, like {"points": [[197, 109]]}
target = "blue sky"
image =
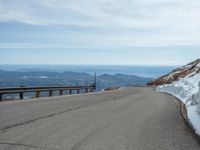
{"points": [[108, 32]]}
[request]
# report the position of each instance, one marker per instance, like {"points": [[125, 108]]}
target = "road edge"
{"points": [[183, 113]]}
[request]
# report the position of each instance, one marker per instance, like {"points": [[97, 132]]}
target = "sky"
{"points": [[107, 32]]}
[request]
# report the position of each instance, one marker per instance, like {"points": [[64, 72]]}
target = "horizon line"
{"points": [[95, 65]]}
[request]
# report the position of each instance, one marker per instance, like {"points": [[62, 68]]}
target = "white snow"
{"points": [[24, 77], [43, 77], [198, 65], [188, 91], [34, 77]]}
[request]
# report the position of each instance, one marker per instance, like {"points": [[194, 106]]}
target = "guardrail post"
{"points": [[21, 95], [1, 96], [50, 93], [37, 93], [70, 91], [95, 81], [78, 91], [61, 92]]}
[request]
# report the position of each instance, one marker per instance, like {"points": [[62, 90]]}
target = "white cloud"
{"points": [[129, 22]]}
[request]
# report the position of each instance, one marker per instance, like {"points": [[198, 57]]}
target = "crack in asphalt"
{"points": [[39, 118], [26, 145], [4, 129]]}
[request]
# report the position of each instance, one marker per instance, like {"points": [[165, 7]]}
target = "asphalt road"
{"points": [[127, 119]]}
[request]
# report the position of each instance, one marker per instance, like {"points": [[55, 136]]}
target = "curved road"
{"points": [[127, 119]]}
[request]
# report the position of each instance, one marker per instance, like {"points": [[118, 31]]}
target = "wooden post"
{"points": [[61, 92], [50, 93], [37, 93], [21, 95], [1, 96], [70, 91]]}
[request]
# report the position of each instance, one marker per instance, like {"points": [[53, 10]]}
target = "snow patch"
{"points": [[194, 118], [188, 91], [34, 77], [198, 65], [43, 77]]}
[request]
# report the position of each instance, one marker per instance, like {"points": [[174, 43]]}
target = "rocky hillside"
{"points": [[189, 69]]}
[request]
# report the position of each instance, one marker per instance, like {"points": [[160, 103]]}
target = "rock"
{"points": [[193, 67]]}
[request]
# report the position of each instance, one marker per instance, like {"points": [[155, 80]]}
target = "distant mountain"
{"points": [[47, 78], [144, 71], [191, 68], [120, 80]]}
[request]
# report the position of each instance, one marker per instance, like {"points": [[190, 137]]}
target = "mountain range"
{"points": [[50, 78]]}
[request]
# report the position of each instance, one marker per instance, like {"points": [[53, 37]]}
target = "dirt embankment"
{"points": [[193, 67]]}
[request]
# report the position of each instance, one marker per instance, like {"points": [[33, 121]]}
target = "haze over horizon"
{"points": [[100, 32]]}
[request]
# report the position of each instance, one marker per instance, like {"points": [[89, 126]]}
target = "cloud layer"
{"points": [[117, 23]]}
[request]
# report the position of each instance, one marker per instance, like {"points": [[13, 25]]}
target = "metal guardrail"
{"points": [[49, 89]]}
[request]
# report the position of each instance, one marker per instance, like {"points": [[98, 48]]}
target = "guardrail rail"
{"points": [[49, 89]]}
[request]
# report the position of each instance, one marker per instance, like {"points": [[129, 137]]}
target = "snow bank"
{"points": [[188, 91]]}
